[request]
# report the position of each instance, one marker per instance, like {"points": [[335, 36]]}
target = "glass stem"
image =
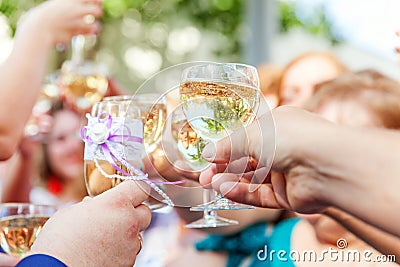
{"points": [[208, 195], [78, 45]]}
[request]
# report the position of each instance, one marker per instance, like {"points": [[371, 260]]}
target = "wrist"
{"points": [[33, 25]]}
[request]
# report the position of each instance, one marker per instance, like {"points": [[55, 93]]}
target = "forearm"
{"points": [[386, 243], [16, 174], [358, 170], [21, 75]]}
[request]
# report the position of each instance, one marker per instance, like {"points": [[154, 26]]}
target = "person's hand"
{"points": [[99, 231], [293, 185], [7, 260], [57, 21], [31, 142], [159, 165]]}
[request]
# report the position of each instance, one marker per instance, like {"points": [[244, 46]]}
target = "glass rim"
{"points": [[144, 97], [221, 64], [104, 106], [116, 98], [254, 80]]}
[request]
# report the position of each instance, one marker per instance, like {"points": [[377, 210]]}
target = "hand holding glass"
{"points": [[218, 99]]}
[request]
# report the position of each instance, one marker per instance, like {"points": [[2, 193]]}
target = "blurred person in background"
{"points": [[50, 172], [269, 76], [300, 75]]}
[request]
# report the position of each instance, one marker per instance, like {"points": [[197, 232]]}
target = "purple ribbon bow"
{"points": [[102, 134]]}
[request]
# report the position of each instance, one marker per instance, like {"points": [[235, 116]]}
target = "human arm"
{"points": [[17, 176], [318, 164], [20, 172], [21, 74]]}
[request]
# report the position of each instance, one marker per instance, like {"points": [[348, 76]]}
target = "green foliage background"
{"points": [[223, 18]]}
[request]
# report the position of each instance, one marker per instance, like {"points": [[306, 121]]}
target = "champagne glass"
{"points": [[218, 99], [190, 146], [153, 111], [83, 82], [20, 224], [48, 95], [104, 168]]}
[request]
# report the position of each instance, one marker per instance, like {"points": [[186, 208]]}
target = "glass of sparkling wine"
{"points": [[153, 111], [20, 224], [218, 99], [103, 168], [48, 95], [83, 82]]}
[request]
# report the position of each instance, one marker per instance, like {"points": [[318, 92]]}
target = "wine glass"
{"points": [[218, 99], [190, 146], [20, 224], [113, 146], [83, 82], [153, 111], [48, 95]]}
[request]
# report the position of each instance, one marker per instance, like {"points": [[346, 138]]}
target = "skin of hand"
{"points": [[157, 165], [115, 88], [7, 260], [58, 21], [38, 32], [273, 193], [99, 231], [317, 164]]}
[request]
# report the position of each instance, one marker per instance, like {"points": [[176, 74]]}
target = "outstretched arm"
{"points": [[21, 74], [318, 164]]}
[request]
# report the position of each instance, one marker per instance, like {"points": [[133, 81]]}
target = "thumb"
{"points": [[133, 191], [235, 146]]}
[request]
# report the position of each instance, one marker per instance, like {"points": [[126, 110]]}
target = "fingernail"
{"points": [[209, 152]]}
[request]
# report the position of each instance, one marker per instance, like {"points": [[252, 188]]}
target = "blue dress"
{"points": [[254, 243]]}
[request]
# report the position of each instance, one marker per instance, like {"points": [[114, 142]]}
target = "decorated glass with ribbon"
{"points": [[114, 148], [113, 145]]}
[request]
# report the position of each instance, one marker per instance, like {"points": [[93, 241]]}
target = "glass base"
{"points": [[221, 203], [211, 221]]}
